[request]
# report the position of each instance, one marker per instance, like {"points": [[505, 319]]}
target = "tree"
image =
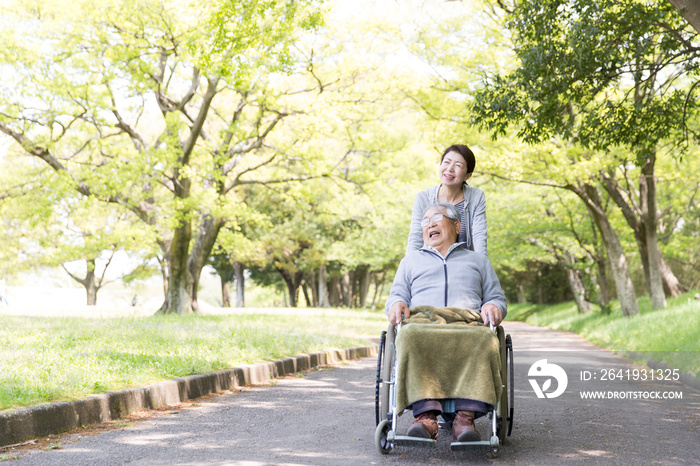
{"points": [[202, 75], [539, 230], [221, 263], [604, 74], [633, 210], [58, 227], [572, 169]]}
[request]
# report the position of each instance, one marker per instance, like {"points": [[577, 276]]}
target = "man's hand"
{"points": [[490, 313], [396, 310]]}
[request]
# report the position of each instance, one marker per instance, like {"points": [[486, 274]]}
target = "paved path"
{"points": [[327, 418]]}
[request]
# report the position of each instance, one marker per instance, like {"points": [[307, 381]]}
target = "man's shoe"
{"points": [[463, 429], [425, 426]]}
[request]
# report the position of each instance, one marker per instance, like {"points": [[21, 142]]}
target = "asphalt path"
{"points": [[327, 418]]}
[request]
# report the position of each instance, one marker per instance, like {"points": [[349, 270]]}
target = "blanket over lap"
{"points": [[457, 357]]}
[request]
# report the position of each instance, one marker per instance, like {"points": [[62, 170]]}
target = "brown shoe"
{"points": [[425, 426], [463, 429]]}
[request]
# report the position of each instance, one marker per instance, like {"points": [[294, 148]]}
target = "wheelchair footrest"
{"points": [[405, 440], [484, 445]]}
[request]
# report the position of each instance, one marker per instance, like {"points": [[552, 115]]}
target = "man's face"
{"points": [[440, 234]]}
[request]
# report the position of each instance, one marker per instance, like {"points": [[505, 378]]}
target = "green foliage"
{"points": [[171, 110], [326, 119], [141, 109], [599, 73], [240, 33], [51, 225]]}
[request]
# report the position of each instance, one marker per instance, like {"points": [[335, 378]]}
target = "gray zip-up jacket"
{"points": [[474, 215], [463, 279]]}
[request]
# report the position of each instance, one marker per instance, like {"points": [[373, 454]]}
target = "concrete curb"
{"points": [[39, 421]]}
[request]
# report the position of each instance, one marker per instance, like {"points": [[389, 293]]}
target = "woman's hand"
{"points": [[490, 313], [398, 309]]}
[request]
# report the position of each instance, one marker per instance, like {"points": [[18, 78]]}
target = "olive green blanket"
{"points": [[446, 353]]}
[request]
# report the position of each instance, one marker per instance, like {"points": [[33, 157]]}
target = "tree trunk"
{"points": [[179, 297], [575, 283], [346, 289], [203, 245], [647, 195], [600, 279], [643, 221], [618, 262], [672, 286], [90, 286], [578, 290], [292, 294], [311, 278], [378, 287], [305, 289], [690, 10], [240, 284], [182, 284], [602, 285], [364, 278], [225, 296], [334, 291], [293, 281], [521, 293], [354, 287], [323, 300], [293, 290]]}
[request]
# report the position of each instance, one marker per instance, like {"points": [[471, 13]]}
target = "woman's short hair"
{"points": [[465, 152]]}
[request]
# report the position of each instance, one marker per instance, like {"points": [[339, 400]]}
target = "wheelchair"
{"points": [[501, 416]]}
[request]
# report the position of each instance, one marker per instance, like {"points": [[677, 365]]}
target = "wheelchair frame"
{"points": [[385, 400]]}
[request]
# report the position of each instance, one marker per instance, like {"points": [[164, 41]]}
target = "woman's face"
{"points": [[453, 169]]}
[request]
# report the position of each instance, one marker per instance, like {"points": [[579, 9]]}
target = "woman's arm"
{"points": [[479, 230], [415, 236]]}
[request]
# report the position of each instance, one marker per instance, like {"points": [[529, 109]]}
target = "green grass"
{"points": [[46, 359], [57, 359], [668, 335]]}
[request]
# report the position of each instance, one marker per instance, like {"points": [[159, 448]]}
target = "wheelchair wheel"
{"points": [[511, 385], [380, 437], [385, 360], [379, 381], [505, 408]]}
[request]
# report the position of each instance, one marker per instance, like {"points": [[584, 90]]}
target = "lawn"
{"points": [[668, 335], [45, 359]]}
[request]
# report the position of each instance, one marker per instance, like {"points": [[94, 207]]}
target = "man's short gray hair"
{"points": [[447, 208]]}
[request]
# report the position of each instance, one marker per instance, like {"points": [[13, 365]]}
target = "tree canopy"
{"points": [[284, 141]]}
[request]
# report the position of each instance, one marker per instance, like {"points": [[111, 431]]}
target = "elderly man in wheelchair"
{"points": [[442, 365]]}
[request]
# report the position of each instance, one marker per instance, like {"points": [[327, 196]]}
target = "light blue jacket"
{"points": [[463, 279], [474, 214]]}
